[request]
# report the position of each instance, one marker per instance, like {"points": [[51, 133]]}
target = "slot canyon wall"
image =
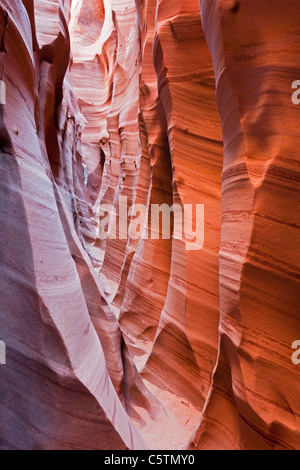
{"points": [[137, 344]]}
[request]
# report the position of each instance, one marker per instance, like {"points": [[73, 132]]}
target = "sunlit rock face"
{"points": [[146, 343], [253, 402]]}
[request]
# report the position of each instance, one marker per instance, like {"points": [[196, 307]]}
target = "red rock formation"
{"points": [[115, 344], [253, 402]]}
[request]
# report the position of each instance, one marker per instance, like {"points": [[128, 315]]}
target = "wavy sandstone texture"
{"points": [[136, 344]]}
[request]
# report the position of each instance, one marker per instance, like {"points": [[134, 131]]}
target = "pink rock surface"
{"points": [[63, 386]]}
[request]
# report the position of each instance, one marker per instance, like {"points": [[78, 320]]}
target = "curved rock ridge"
{"points": [[165, 297], [143, 343]]}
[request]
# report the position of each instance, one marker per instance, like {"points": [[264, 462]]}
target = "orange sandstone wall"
{"points": [[253, 402]]}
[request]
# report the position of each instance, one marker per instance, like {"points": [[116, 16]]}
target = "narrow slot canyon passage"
{"points": [[149, 207]]}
